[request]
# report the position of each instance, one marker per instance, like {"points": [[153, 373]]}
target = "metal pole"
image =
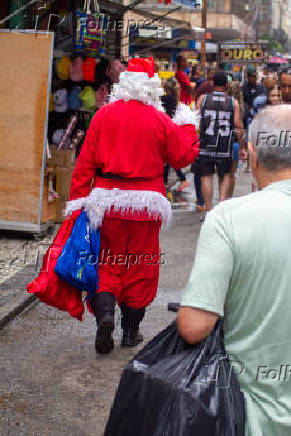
{"points": [[203, 42]]}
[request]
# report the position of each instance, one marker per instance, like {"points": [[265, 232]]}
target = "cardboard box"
{"points": [[63, 185], [48, 209], [62, 158]]}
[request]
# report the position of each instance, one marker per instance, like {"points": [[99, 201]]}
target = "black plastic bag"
{"points": [[171, 388]]}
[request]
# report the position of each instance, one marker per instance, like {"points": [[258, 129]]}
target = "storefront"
{"points": [[51, 99], [234, 56]]}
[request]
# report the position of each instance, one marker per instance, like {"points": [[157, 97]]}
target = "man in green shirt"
{"points": [[242, 272]]}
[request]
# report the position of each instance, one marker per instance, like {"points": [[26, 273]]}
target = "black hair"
{"points": [[220, 79], [100, 76], [179, 58]]}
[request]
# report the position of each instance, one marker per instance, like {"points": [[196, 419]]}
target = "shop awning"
{"points": [[277, 60]]}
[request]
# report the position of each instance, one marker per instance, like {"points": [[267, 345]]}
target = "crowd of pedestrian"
{"points": [[227, 109]]}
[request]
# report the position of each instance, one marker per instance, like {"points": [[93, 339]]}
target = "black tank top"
{"points": [[217, 127]]}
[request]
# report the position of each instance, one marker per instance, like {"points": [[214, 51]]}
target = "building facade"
{"points": [[223, 23]]}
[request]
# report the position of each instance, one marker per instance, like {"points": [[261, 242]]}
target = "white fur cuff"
{"points": [[184, 115]]}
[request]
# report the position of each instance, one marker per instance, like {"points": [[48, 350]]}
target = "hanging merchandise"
{"points": [[68, 133], [76, 72], [74, 101], [88, 98], [63, 68], [88, 68], [57, 136], [81, 18], [91, 30], [77, 138], [95, 29], [60, 100]]}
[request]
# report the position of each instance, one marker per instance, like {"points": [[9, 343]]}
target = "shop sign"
{"points": [[242, 54], [155, 32], [194, 4]]}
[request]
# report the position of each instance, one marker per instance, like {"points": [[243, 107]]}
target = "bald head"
{"points": [[270, 134]]}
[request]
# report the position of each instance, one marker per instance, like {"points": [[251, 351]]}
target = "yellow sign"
{"points": [[166, 74], [242, 55]]}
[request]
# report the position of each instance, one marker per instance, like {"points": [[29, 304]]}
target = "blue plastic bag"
{"points": [[78, 262]]}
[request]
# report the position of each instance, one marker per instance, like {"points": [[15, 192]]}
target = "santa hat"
{"points": [[139, 82], [142, 65]]}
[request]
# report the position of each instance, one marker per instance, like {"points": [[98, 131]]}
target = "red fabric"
{"points": [[133, 140], [48, 287], [129, 260], [184, 82], [142, 65]]}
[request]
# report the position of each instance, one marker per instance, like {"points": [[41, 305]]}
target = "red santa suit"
{"points": [[118, 180]]}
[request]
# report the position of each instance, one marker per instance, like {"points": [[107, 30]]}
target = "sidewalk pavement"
{"points": [[14, 299]]}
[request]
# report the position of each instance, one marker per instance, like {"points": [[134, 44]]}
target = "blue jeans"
{"points": [[197, 182]]}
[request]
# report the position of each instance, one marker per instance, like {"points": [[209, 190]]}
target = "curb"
{"points": [[14, 298], [15, 308]]}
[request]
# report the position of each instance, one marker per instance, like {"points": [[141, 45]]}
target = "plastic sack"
{"points": [[78, 262], [48, 287], [171, 388]]}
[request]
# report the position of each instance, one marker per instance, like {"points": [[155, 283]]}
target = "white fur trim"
{"points": [[184, 115], [101, 200], [138, 86]]}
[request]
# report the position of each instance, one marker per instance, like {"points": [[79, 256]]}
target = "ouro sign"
{"points": [[242, 53]]}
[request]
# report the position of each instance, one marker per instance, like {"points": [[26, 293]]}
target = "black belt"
{"points": [[108, 175]]}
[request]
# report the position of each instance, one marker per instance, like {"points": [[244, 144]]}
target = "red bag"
{"points": [[48, 287]]}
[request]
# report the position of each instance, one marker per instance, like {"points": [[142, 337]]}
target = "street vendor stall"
{"points": [[50, 90], [25, 75]]}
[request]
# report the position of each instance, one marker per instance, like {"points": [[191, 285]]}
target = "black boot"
{"points": [[104, 309], [131, 318]]}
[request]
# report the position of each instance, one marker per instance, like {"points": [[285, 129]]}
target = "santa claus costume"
{"points": [[118, 181]]}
